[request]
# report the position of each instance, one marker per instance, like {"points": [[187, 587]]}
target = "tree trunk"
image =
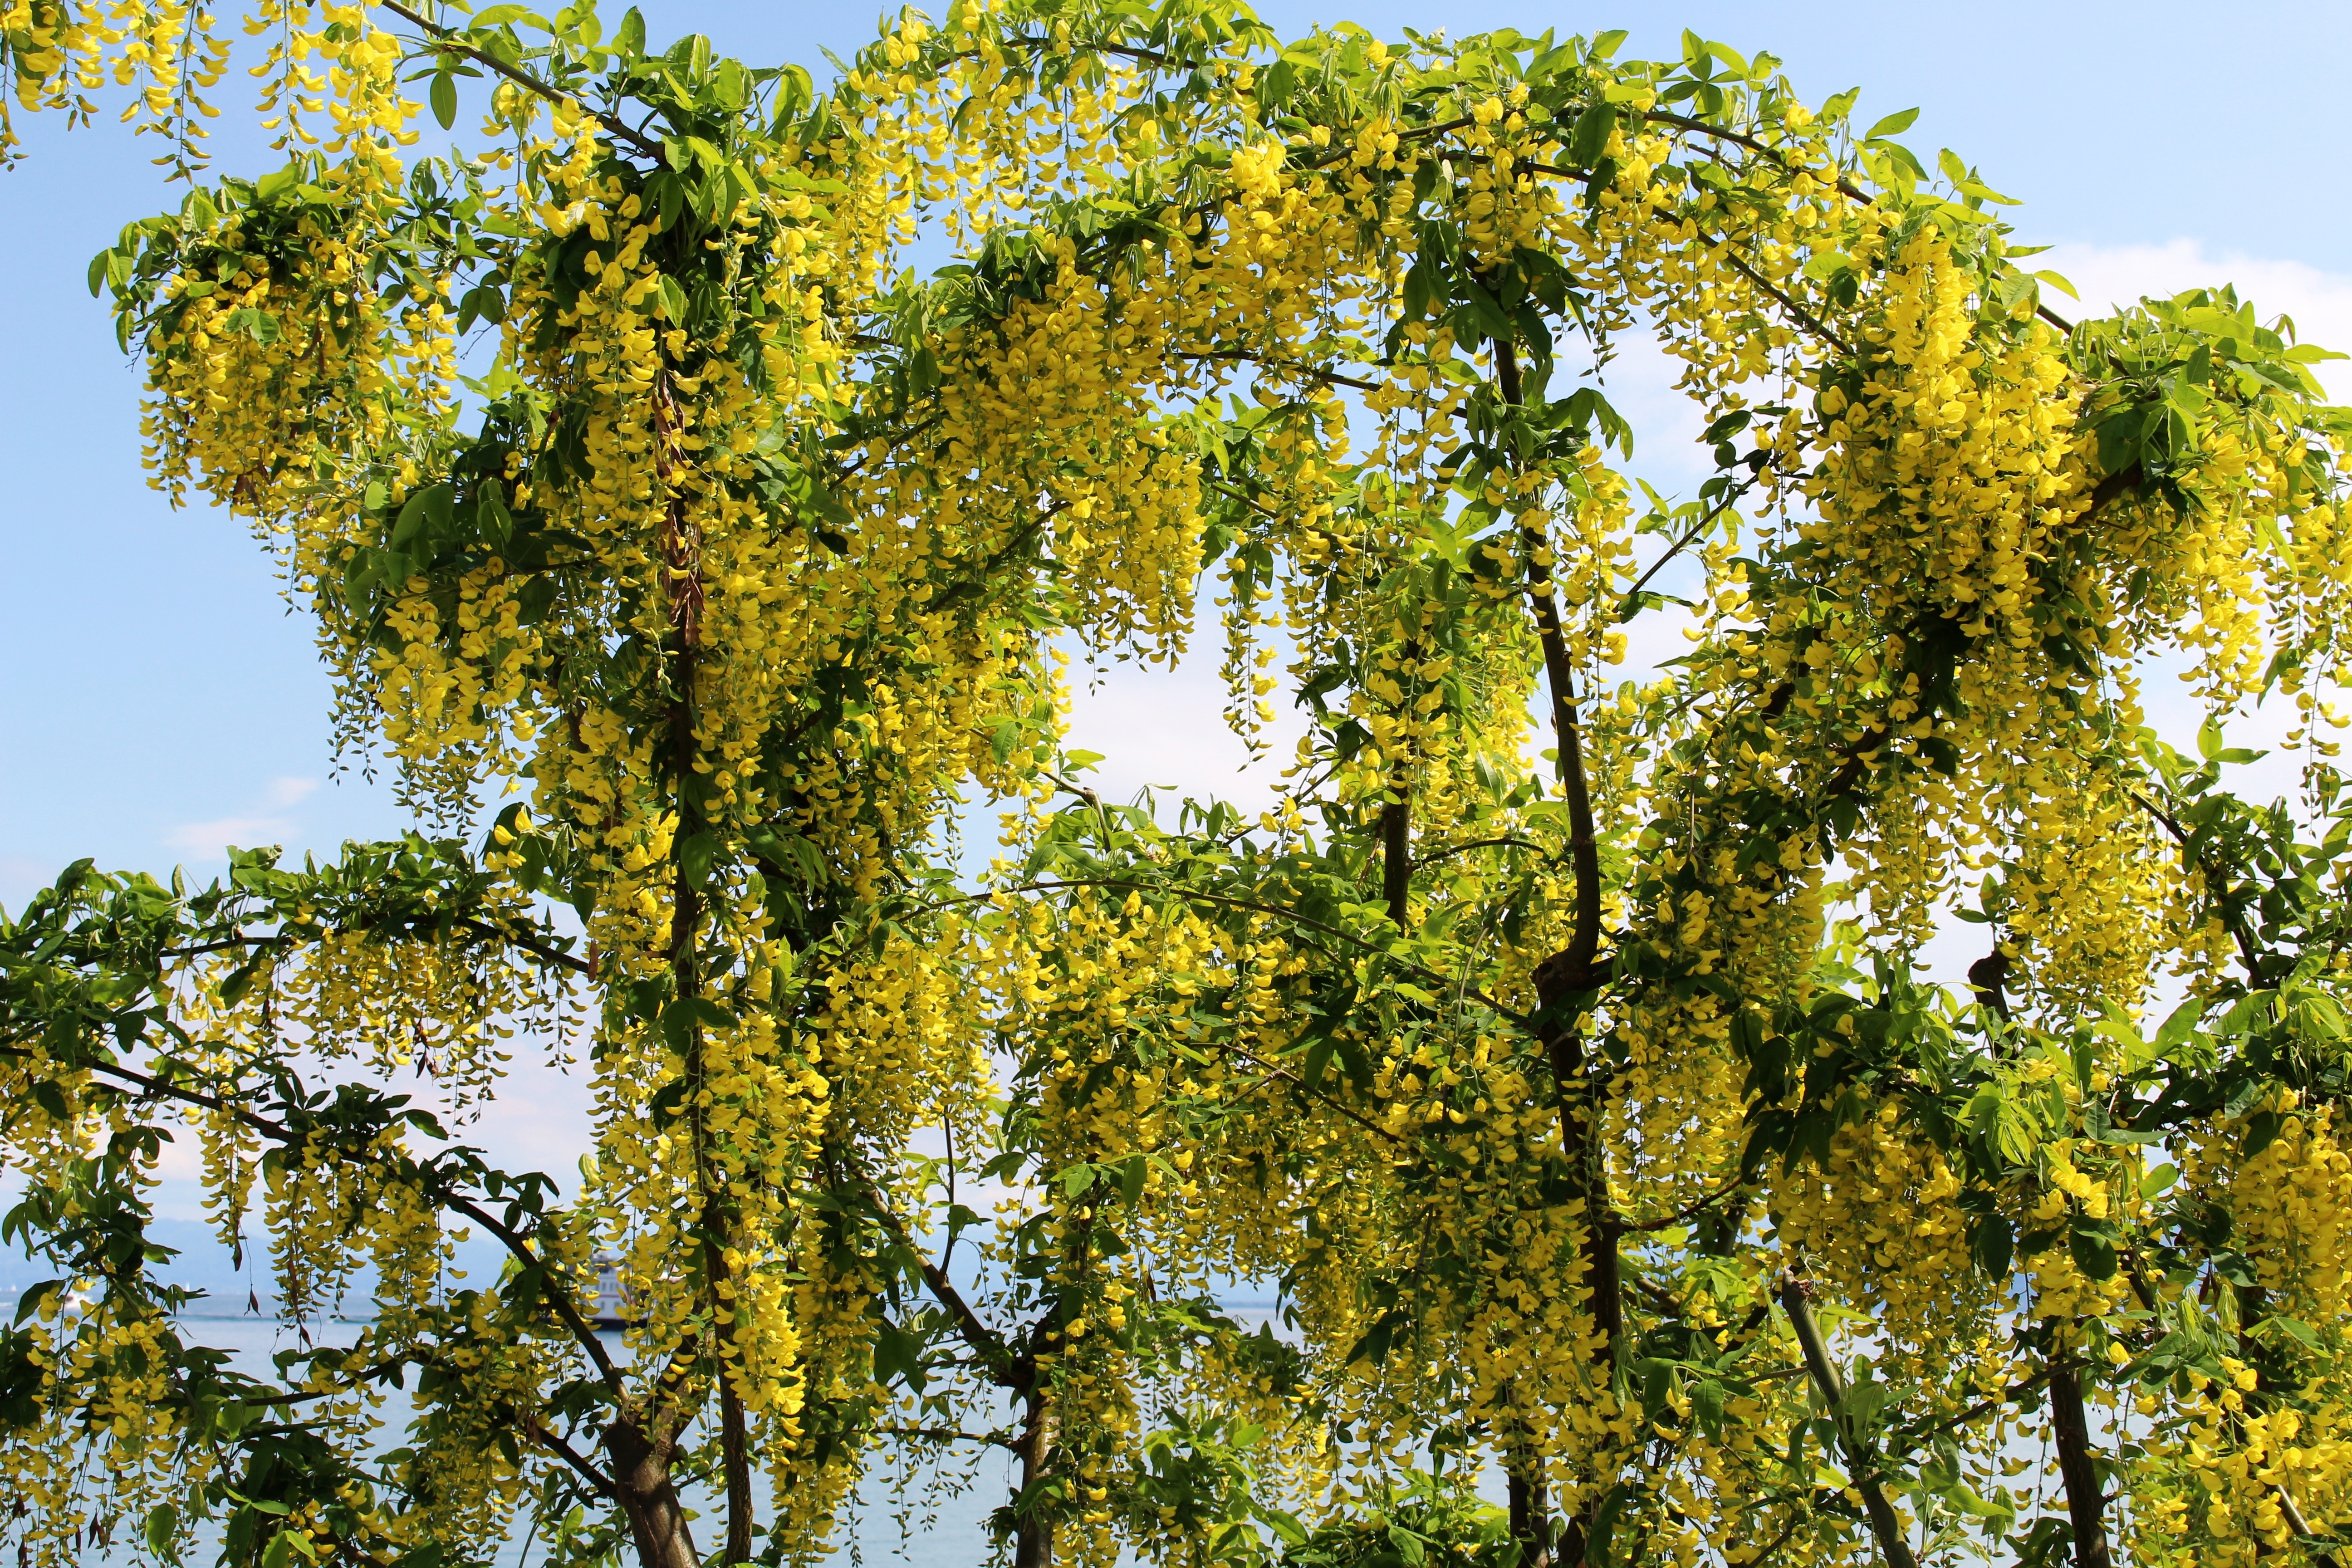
{"points": [[1033, 1539], [1396, 855], [1560, 977], [681, 548], [641, 1480], [2085, 1502], [1530, 1506]]}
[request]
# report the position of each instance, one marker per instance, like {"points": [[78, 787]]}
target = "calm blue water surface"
{"points": [[940, 1531], [913, 1526]]}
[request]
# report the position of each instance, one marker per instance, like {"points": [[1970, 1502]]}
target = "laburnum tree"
{"points": [[700, 487]]}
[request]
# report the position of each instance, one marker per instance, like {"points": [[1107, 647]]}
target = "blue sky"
{"points": [[159, 700]]}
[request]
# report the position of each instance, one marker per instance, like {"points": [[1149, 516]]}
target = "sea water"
{"points": [[926, 1520]]}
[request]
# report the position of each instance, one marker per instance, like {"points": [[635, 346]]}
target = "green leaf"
{"points": [[2263, 1130], [2094, 1249], [1416, 303], [1893, 125], [1590, 137], [1319, 1057], [445, 98], [162, 1528], [2317, 1015], [696, 857], [1599, 1550], [491, 516], [258, 325], [427, 511], [1993, 1242]]}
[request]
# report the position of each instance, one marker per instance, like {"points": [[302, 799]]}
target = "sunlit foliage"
{"points": [[1553, 1046]]}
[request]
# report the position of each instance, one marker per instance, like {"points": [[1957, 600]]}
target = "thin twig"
{"points": [[449, 40], [1332, 378], [1694, 530], [1729, 1189], [1811, 322], [1846, 188], [1305, 1088], [2247, 953], [537, 949], [1506, 841], [949, 1434]]}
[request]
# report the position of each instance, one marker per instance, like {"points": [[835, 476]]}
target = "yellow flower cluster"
{"points": [[761, 570]]}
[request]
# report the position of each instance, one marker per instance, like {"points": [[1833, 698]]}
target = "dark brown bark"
{"points": [[734, 1437], [1560, 977], [640, 1479], [2086, 1502], [682, 557], [1396, 857], [1988, 978], [1396, 834], [1530, 1506]]}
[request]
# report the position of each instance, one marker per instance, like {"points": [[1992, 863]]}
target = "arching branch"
{"points": [[449, 41]]}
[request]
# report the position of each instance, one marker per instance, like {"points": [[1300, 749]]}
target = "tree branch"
{"points": [[1243, 356], [537, 949], [1625, 605], [572, 1457], [1691, 1211], [1884, 1522], [1004, 1365], [449, 40], [1451, 850], [280, 1133], [1846, 188], [1267, 1066], [2248, 953], [949, 1434], [1811, 322]]}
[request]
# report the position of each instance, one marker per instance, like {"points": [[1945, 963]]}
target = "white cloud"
{"points": [[1165, 728], [267, 824], [214, 837]]}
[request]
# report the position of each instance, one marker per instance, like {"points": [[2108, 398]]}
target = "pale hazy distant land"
{"points": [[204, 1264]]}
